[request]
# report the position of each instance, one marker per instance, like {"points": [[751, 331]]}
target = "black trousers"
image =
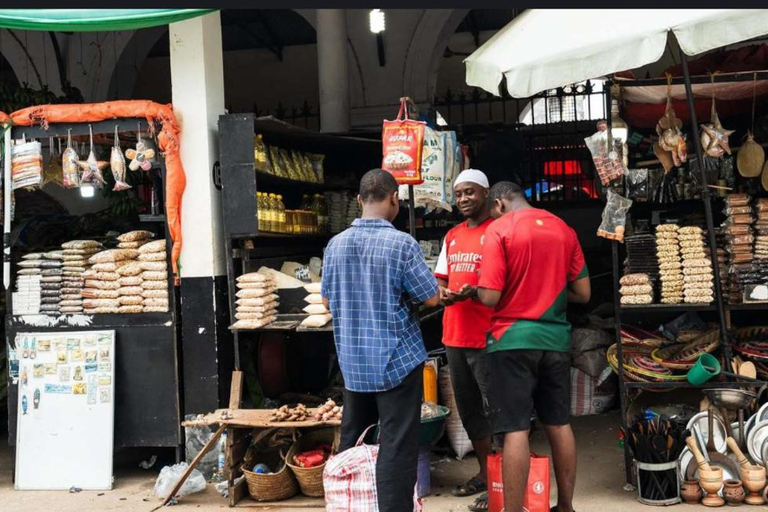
{"points": [[399, 411]]}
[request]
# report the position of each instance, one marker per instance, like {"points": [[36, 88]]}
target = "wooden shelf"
{"points": [[667, 308]]}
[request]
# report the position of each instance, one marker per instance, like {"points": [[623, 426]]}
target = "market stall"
{"points": [[687, 262], [112, 271]]}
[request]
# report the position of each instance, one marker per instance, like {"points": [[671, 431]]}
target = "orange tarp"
{"points": [[168, 142]]}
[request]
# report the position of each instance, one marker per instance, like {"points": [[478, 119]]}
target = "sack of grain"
{"points": [[153, 256], [154, 285], [113, 255], [253, 324], [255, 292], [32, 256], [257, 301], [261, 285], [150, 275], [130, 290], [81, 244], [155, 266], [80, 252], [156, 302], [130, 281], [155, 294], [156, 246], [255, 315], [258, 309], [53, 255], [133, 236], [131, 245], [315, 309], [31, 263], [155, 309], [131, 269], [316, 320], [130, 309], [313, 287], [130, 300], [314, 298], [255, 277], [102, 285]]}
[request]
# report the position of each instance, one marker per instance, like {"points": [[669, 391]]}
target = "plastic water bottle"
{"points": [[221, 461], [261, 469]]}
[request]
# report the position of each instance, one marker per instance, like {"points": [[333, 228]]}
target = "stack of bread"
{"points": [[257, 301], [75, 255], [670, 268], [636, 289], [319, 316], [153, 262], [698, 279]]}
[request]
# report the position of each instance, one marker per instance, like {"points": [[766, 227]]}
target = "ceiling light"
{"points": [[377, 21], [87, 190]]}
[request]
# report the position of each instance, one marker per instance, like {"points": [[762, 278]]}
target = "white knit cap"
{"points": [[472, 176]]}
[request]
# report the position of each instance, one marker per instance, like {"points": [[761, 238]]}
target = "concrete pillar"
{"points": [[333, 69], [197, 85]]}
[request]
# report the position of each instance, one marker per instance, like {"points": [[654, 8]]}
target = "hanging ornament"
{"points": [[141, 156], [714, 138], [671, 141], [92, 168], [117, 163], [51, 170], [69, 168]]}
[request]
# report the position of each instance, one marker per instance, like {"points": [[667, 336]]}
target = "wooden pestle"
{"points": [[700, 460], [743, 461]]}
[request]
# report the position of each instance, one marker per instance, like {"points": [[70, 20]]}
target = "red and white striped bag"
{"points": [[349, 479]]}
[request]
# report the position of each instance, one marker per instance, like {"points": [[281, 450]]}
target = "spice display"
{"points": [[26, 164]]}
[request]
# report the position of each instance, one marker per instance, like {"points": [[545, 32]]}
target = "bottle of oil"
{"points": [[306, 202], [273, 215], [282, 228], [261, 212]]}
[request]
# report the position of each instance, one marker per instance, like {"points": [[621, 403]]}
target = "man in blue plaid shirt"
{"points": [[372, 275]]}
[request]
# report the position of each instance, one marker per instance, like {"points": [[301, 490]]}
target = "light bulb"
{"points": [[377, 21], [619, 128], [87, 190]]}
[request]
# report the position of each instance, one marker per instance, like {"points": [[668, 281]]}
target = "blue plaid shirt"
{"points": [[370, 273]]}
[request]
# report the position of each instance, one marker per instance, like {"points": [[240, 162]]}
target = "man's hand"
{"points": [[465, 293], [446, 296]]}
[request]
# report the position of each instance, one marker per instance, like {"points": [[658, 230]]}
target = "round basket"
{"points": [[310, 479], [271, 486]]}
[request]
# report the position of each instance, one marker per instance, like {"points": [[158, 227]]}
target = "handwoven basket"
{"points": [[311, 479], [271, 486]]}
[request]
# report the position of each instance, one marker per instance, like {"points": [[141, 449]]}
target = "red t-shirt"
{"points": [[531, 255], [465, 323]]}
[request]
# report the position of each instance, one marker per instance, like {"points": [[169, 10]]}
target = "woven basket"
{"points": [[271, 486], [311, 479]]}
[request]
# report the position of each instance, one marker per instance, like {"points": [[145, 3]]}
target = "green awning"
{"points": [[93, 20]]}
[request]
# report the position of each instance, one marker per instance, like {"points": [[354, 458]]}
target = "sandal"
{"points": [[480, 504], [469, 488]]}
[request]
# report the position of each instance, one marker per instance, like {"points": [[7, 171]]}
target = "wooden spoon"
{"points": [[700, 460], [734, 446]]}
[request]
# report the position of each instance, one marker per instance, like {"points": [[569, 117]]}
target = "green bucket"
{"points": [[705, 368]]}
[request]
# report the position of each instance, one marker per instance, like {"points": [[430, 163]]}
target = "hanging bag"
{"points": [[402, 141], [349, 480], [536, 492]]}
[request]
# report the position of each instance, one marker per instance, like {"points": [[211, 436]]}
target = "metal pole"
{"points": [[708, 212], [411, 211], [7, 208]]}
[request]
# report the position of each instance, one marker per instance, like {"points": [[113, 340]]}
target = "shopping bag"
{"points": [[401, 142], [536, 492], [349, 480]]}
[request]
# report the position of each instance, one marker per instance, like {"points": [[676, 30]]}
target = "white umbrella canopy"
{"points": [[546, 49]]}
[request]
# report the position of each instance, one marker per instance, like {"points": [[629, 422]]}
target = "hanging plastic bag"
{"points": [[614, 217], [457, 435], [169, 477], [609, 162], [27, 164], [436, 168], [70, 174], [402, 143]]}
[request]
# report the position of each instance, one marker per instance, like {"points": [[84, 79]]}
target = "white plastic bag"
{"points": [[457, 436], [170, 475]]}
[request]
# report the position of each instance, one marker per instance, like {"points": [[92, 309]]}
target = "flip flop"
{"points": [[480, 504], [469, 488]]}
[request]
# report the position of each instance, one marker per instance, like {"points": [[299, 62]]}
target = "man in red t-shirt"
{"points": [[466, 321], [532, 267]]}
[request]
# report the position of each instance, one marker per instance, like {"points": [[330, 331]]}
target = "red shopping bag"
{"points": [[536, 492], [402, 141]]}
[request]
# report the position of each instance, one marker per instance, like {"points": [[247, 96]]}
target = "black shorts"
{"points": [[521, 380]]}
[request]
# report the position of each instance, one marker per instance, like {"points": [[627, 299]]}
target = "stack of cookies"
{"points": [[698, 279], [670, 268], [636, 289]]}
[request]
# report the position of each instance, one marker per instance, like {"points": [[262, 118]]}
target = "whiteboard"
{"points": [[65, 424]]}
